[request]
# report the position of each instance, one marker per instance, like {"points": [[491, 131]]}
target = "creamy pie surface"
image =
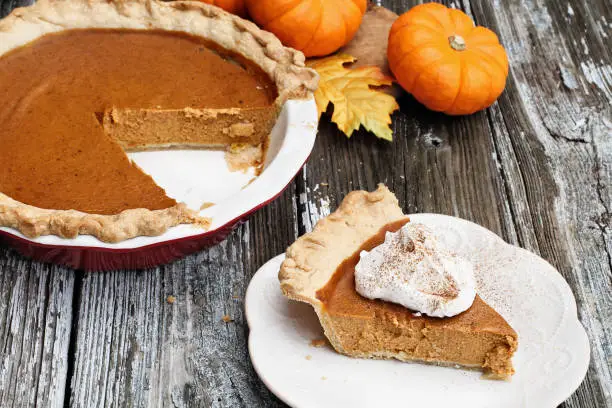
{"points": [[55, 153]]}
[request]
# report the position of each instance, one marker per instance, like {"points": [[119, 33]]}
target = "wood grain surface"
{"points": [[535, 168], [36, 303]]}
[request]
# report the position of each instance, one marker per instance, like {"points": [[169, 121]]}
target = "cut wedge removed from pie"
{"points": [[319, 270], [83, 81]]}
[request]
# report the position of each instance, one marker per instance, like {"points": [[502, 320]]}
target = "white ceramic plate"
{"points": [[551, 361], [199, 176]]}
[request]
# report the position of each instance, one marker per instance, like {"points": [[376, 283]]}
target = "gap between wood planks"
{"points": [[72, 345]]}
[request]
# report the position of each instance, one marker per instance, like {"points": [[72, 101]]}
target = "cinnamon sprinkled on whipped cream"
{"points": [[412, 269]]}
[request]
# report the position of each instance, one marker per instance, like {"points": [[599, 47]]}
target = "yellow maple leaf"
{"points": [[355, 102]]}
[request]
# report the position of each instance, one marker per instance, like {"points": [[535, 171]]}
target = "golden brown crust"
{"points": [[34, 222], [312, 260], [283, 65]]}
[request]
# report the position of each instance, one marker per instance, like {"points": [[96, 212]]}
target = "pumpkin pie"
{"points": [[319, 270], [84, 81]]}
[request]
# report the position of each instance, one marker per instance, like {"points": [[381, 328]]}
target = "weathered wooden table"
{"points": [[536, 168]]}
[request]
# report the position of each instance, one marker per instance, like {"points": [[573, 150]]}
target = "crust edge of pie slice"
{"points": [[284, 67], [478, 339]]}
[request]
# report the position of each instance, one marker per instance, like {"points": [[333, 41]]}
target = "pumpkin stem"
{"points": [[457, 42]]}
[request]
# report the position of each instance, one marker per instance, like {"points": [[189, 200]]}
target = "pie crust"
{"points": [[478, 338], [313, 258], [284, 66]]}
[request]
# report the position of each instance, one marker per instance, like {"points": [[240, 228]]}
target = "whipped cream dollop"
{"points": [[413, 269]]}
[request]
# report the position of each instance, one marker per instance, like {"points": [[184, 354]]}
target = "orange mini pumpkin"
{"points": [[232, 6], [445, 62], [315, 27]]}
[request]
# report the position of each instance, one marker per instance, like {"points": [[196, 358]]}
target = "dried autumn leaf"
{"points": [[355, 102]]}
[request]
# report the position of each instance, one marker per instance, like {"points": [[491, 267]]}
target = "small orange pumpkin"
{"points": [[315, 27], [445, 62], [232, 6]]}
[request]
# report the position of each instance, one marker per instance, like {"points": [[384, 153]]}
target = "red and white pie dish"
{"points": [[194, 177]]}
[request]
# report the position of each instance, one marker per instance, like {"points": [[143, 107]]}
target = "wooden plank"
{"points": [[134, 348], [552, 131], [35, 326]]}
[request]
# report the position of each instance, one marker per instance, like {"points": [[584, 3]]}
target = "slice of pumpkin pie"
{"points": [[383, 288]]}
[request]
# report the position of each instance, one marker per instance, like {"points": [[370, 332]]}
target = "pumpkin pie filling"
{"points": [[55, 153], [478, 337]]}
